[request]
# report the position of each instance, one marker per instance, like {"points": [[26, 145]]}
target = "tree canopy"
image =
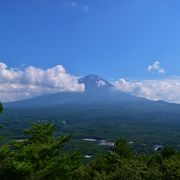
{"points": [[42, 157], [1, 107]]}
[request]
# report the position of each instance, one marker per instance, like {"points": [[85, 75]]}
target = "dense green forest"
{"points": [[145, 128], [42, 156]]}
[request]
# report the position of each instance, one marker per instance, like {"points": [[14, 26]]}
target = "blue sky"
{"points": [[112, 38], [119, 40]]}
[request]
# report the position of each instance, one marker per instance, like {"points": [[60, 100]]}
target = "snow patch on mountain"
{"points": [[100, 83]]}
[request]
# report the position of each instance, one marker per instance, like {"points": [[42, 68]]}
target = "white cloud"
{"points": [[156, 67], [20, 84], [167, 89], [75, 4]]}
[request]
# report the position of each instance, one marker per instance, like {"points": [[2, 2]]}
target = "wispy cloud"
{"points": [[75, 4], [20, 84], [86, 8], [156, 67]]}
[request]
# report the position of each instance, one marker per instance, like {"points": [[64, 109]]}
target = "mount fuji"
{"points": [[97, 91], [100, 105]]}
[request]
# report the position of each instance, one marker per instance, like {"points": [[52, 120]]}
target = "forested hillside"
{"points": [[41, 156]]}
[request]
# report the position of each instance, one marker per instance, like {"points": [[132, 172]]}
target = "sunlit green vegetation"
{"points": [[42, 156]]}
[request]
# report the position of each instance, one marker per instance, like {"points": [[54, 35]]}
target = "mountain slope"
{"points": [[97, 90], [97, 112]]}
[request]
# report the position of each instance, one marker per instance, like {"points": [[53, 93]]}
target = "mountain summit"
{"points": [[95, 83]]}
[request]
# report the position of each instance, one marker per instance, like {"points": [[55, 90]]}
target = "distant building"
{"points": [[158, 147], [131, 142], [106, 143], [89, 139], [88, 156]]}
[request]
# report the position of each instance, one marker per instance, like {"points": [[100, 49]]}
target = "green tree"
{"points": [[122, 148], [171, 167], [41, 156], [1, 107], [168, 151]]}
